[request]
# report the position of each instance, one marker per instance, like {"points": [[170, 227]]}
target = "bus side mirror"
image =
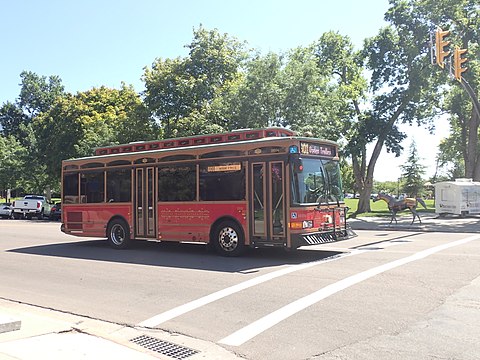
{"points": [[297, 165]]}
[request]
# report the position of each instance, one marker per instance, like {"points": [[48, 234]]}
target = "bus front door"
{"points": [[145, 209], [267, 202]]}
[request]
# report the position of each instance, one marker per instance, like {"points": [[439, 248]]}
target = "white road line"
{"points": [[195, 304], [250, 331]]}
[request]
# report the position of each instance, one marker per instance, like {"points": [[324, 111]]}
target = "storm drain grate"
{"points": [[164, 347]]}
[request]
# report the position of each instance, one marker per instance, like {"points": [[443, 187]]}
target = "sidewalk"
{"points": [[33, 333], [430, 223]]}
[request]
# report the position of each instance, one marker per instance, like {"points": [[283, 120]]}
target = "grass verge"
{"points": [[380, 208]]}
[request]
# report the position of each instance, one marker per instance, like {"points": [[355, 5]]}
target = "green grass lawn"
{"points": [[379, 208]]}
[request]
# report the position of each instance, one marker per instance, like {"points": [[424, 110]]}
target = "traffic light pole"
{"points": [[472, 95], [466, 86]]}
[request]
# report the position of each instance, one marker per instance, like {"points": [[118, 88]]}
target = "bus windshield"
{"points": [[318, 182]]}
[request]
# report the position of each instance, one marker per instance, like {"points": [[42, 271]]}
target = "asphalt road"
{"points": [[385, 294]]}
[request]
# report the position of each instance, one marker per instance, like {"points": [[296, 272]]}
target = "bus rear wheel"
{"points": [[228, 239], [118, 234]]}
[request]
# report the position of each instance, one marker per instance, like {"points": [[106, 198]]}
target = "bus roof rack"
{"points": [[237, 135]]}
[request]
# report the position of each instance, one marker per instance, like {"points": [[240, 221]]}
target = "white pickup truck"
{"points": [[31, 206]]}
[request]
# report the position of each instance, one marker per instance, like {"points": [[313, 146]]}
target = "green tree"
{"points": [[12, 162], [337, 58], [449, 159], [402, 86], [311, 100], [288, 90], [11, 118], [389, 187], [177, 88], [34, 178], [256, 99], [37, 94], [348, 180], [462, 19], [76, 124], [412, 173]]}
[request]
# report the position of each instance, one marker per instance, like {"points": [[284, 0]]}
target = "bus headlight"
{"points": [[300, 225], [307, 224]]}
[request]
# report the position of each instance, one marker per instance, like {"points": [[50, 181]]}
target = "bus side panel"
{"points": [[92, 219], [192, 222]]}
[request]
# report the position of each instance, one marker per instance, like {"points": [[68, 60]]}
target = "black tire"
{"points": [[228, 239], [118, 234]]}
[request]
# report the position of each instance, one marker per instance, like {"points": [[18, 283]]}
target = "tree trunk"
{"points": [[359, 167], [472, 163], [366, 177], [364, 200]]}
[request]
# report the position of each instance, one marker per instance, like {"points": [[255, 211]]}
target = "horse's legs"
{"points": [[394, 216], [415, 214]]}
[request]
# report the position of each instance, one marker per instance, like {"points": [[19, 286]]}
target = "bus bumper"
{"points": [[322, 237]]}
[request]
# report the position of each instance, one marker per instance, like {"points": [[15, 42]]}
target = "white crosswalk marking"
{"points": [[195, 304], [250, 331]]}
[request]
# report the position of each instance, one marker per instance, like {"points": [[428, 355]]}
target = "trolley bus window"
{"points": [[177, 183], [119, 185], [332, 169], [92, 187], [222, 181], [317, 182], [70, 188]]}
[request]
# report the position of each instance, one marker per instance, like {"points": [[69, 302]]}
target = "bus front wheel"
{"points": [[228, 239], [118, 234]]}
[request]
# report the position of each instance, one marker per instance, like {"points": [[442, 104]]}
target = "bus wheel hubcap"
{"points": [[118, 234], [228, 239]]}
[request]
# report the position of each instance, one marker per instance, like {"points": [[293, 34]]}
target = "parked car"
{"points": [[6, 210], [56, 211], [31, 206]]}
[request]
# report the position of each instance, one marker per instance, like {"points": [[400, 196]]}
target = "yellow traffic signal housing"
{"points": [[458, 60], [440, 46]]}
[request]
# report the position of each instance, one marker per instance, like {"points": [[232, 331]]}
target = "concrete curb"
{"points": [[8, 324], [50, 334]]}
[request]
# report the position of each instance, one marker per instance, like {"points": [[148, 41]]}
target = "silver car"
{"points": [[6, 210]]}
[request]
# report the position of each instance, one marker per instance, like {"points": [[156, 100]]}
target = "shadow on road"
{"points": [[178, 255]]}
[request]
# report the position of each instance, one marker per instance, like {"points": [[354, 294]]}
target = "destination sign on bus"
{"points": [[315, 149], [221, 168]]}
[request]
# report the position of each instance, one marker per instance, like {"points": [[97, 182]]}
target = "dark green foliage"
{"points": [[412, 173]]}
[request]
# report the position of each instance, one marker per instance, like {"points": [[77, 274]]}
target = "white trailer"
{"points": [[459, 197]]}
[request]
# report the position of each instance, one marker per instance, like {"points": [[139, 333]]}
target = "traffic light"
{"points": [[440, 46], [458, 60]]}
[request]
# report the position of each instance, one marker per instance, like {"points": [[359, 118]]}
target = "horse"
{"points": [[395, 205]]}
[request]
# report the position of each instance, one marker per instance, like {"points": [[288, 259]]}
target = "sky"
{"points": [[91, 43]]}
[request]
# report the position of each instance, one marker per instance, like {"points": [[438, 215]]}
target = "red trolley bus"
{"points": [[248, 188]]}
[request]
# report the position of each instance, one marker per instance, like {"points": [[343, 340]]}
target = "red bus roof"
{"points": [[238, 135]]}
